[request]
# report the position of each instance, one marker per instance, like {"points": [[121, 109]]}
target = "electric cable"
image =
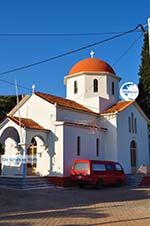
{"points": [[137, 28], [125, 52], [12, 84], [69, 52], [56, 34]]}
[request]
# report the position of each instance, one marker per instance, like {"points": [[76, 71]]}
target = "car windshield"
{"points": [[81, 166]]}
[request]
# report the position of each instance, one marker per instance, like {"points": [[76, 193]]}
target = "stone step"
{"points": [[137, 179], [134, 179], [28, 182]]}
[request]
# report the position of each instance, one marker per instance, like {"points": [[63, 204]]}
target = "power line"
{"points": [[141, 27], [13, 84], [56, 34], [69, 52], [125, 52]]}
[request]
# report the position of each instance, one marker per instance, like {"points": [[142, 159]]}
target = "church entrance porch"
{"points": [[32, 158], [24, 153], [37, 155]]}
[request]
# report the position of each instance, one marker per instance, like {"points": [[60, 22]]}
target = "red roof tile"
{"points": [[26, 123], [120, 106], [91, 64], [63, 102]]}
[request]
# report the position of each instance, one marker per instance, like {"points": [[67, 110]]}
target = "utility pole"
{"points": [[149, 33]]}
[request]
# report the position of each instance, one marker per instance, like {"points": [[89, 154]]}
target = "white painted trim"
{"points": [[91, 73], [19, 105], [76, 124], [141, 111]]}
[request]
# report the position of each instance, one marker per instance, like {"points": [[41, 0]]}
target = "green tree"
{"points": [[6, 104], [144, 78]]}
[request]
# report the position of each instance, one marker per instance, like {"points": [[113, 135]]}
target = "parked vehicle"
{"points": [[97, 173]]}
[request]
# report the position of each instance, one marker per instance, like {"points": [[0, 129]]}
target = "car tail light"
{"points": [[88, 173]]}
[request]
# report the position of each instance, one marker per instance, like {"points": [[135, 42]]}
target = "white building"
{"points": [[90, 123]]}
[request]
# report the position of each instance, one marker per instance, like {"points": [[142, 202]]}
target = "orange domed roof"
{"points": [[91, 65]]}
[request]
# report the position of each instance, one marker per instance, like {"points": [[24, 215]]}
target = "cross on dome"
{"points": [[33, 88], [92, 54]]}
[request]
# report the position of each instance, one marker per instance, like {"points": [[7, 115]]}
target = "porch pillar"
{"points": [[24, 161]]}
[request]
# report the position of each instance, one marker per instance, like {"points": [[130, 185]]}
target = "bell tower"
{"points": [[92, 83]]}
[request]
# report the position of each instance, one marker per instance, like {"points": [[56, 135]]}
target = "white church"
{"points": [[43, 134]]}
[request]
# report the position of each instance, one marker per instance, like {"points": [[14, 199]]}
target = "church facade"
{"points": [[44, 133]]}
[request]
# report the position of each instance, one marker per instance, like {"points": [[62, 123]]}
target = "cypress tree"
{"points": [[144, 78]]}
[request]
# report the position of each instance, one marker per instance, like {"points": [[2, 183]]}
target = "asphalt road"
{"points": [[74, 206]]}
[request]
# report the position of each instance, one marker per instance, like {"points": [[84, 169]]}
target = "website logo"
{"points": [[129, 91]]}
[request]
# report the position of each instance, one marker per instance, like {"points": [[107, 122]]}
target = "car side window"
{"points": [[118, 167], [110, 167], [98, 167]]}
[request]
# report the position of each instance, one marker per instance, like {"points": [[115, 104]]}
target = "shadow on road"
{"points": [[18, 205]]}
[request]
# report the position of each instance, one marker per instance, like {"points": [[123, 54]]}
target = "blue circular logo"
{"points": [[129, 91]]}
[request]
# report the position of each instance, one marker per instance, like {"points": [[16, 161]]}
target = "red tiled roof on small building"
{"points": [[119, 106], [26, 123], [63, 102]]}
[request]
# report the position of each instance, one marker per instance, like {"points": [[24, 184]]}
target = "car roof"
{"points": [[95, 161]]}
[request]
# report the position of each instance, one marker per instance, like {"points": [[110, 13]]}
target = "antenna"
{"points": [[21, 135], [16, 87]]}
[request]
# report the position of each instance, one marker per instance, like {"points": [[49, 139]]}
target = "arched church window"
{"points": [[75, 87], [129, 124], [97, 147], [95, 85], [133, 153], [78, 145], [135, 125], [113, 88], [132, 122]]}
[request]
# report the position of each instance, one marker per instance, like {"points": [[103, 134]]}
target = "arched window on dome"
{"points": [[95, 85], [113, 88], [75, 87]]}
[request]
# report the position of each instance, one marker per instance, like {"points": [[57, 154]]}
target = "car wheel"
{"points": [[99, 184], [119, 183], [81, 185]]}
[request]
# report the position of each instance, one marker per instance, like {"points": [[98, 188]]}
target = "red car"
{"points": [[97, 173]]}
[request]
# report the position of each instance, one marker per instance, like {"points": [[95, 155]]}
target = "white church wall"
{"points": [[86, 96], [39, 110], [110, 99], [70, 87], [10, 164], [125, 137], [64, 114], [110, 137], [102, 86], [88, 145], [43, 162], [56, 149], [114, 96], [92, 103]]}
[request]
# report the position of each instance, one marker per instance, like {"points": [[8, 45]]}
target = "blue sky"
{"points": [[67, 16]]}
